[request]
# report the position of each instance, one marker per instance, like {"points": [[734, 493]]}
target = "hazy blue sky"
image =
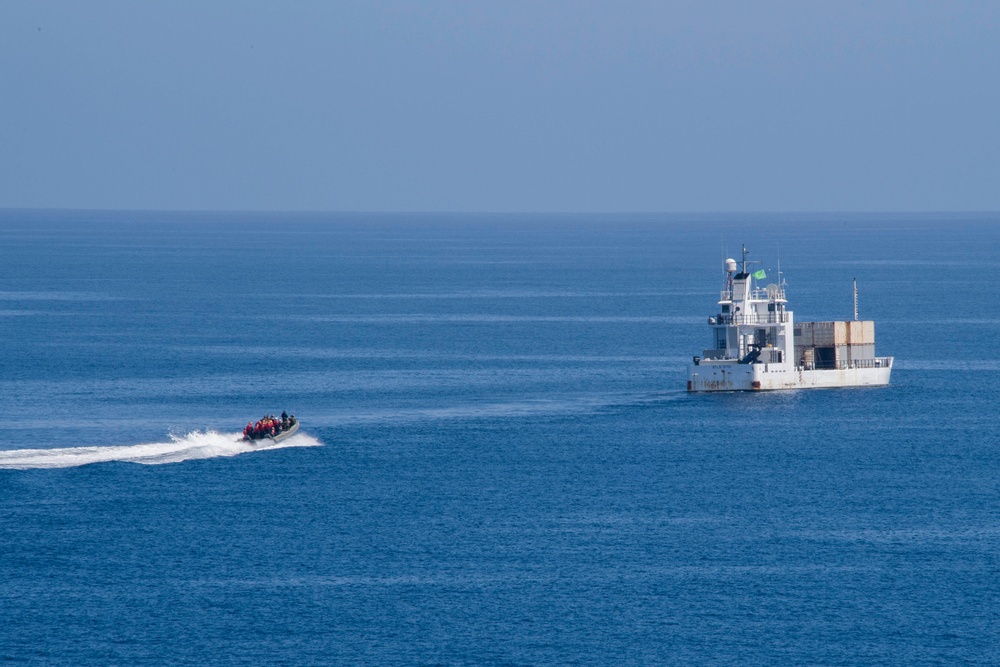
{"points": [[502, 106]]}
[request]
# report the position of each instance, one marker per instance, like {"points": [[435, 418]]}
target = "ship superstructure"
{"points": [[757, 345]]}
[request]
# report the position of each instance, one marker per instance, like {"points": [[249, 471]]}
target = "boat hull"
{"points": [[771, 377], [284, 435]]}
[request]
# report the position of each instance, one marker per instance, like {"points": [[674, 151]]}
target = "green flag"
{"points": [[759, 275]]}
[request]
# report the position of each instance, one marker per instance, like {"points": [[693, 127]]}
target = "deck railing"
{"points": [[877, 362], [758, 294], [752, 318]]}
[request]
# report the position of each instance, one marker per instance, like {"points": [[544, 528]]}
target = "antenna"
{"points": [[855, 299]]}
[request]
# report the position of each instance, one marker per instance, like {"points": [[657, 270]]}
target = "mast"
{"points": [[855, 299]]}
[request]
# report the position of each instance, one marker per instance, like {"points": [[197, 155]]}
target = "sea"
{"points": [[499, 463]]}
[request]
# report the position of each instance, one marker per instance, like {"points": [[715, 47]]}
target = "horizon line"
{"points": [[814, 212]]}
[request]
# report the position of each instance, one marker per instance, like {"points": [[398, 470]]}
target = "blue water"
{"points": [[499, 464]]}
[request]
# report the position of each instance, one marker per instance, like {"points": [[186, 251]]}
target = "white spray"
{"points": [[195, 445]]}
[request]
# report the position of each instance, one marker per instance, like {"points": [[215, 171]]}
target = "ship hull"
{"points": [[772, 377]]}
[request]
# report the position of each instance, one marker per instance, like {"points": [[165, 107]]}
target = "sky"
{"points": [[544, 106]]}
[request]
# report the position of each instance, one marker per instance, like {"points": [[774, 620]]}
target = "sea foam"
{"points": [[194, 445]]}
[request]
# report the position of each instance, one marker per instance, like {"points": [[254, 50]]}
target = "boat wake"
{"points": [[194, 445]]}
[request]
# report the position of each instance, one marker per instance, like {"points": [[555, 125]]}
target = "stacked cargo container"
{"points": [[823, 345]]}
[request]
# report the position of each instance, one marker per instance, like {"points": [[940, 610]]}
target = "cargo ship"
{"points": [[758, 346]]}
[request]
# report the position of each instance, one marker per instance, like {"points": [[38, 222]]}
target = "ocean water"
{"points": [[498, 463]]}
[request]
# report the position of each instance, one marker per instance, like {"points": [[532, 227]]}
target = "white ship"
{"points": [[758, 346]]}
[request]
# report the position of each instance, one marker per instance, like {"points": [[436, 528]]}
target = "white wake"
{"points": [[194, 445]]}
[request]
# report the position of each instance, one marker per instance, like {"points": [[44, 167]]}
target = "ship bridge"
{"points": [[752, 324]]}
